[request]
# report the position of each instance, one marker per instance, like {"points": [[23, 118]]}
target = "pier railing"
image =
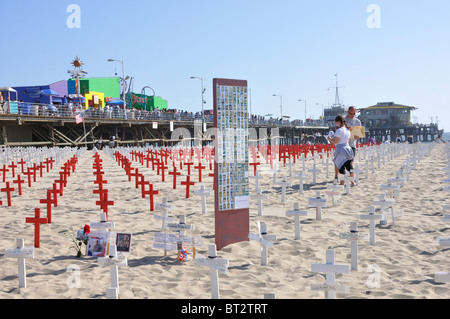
{"points": [[70, 111]]}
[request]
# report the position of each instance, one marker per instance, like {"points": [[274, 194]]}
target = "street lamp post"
{"points": [[305, 108], [281, 104], [323, 114], [123, 78], [203, 100]]}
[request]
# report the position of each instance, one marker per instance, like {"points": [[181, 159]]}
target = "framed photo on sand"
{"points": [[123, 243], [98, 243]]}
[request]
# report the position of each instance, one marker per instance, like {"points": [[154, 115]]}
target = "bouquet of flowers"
{"points": [[79, 240]]}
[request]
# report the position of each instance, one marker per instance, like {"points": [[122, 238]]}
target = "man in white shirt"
{"points": [[352, 121]]}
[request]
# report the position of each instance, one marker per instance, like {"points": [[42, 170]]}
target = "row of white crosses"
{"points": [[20, 252], [172, 241], [331, 269]]}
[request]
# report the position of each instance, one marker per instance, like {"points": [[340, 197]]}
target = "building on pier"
{"points": [[387, 121]]}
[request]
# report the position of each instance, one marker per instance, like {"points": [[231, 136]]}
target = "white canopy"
{"points": [[9, 89]]}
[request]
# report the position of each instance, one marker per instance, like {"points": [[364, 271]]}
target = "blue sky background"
{"points": [[289, 47]]}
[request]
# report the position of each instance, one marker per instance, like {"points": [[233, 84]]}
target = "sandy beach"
{"points": [[402, 263]]}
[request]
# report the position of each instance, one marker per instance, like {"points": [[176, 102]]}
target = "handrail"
{"points": [[69, 112]]}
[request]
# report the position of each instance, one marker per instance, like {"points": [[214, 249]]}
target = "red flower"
{"points": [[87, 229]]}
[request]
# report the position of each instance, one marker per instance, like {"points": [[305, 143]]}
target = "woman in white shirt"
{"points": [[343, 154]]}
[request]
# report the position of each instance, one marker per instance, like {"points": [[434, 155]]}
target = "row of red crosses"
{"points": [[52, 199], [159, 159], [140, 181], [102, 192], [30, 172]]}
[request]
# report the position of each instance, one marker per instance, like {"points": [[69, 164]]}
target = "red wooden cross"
{"points": [[21, 163], [143, 183], [98, 173], [63, 177], [34, 172], [37, 221], [255, 166], [51, 161], [188, 185], [13, 169], [175, 174], [100, 181], [8, 191], [55, 191], [104, 203], [19, 181], [139, 180], [28, 173], [135, 174], [49, 201], [151, 192], [61, 185], [4, 170], [200, 167], [41, 167], [128, 170], [163, 168], [101, 193], [189, 167]]}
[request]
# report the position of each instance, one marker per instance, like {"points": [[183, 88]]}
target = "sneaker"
{"points": [[335, 181]]}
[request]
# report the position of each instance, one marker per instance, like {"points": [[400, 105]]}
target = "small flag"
{"points": [[183, 255], [79, 118]]}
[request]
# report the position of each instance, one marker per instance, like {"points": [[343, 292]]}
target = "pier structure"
{"points": [[164, 130]]}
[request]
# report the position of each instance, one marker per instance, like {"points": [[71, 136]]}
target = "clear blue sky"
{"points": [[289, 47]]}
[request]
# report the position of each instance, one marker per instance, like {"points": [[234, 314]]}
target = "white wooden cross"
{"points": [[290, 165], [318, 202], [314, 171], [324, 154], [443, 277], [113, 262], [348, 179], [165, 219], [265, 241], [215, 264], [296, 213], [259, 196], [354, 236], [328, 164], [357, 171], [366, 168], [21, 253], [384, 203], [303, 159], [257, 177], [301, 176], [181, 226], [103, 224], [371, 217], [275, 171], [203, 193], [398, 180], [391, 190], [330, 269], [334, 191], [284, 183]]}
